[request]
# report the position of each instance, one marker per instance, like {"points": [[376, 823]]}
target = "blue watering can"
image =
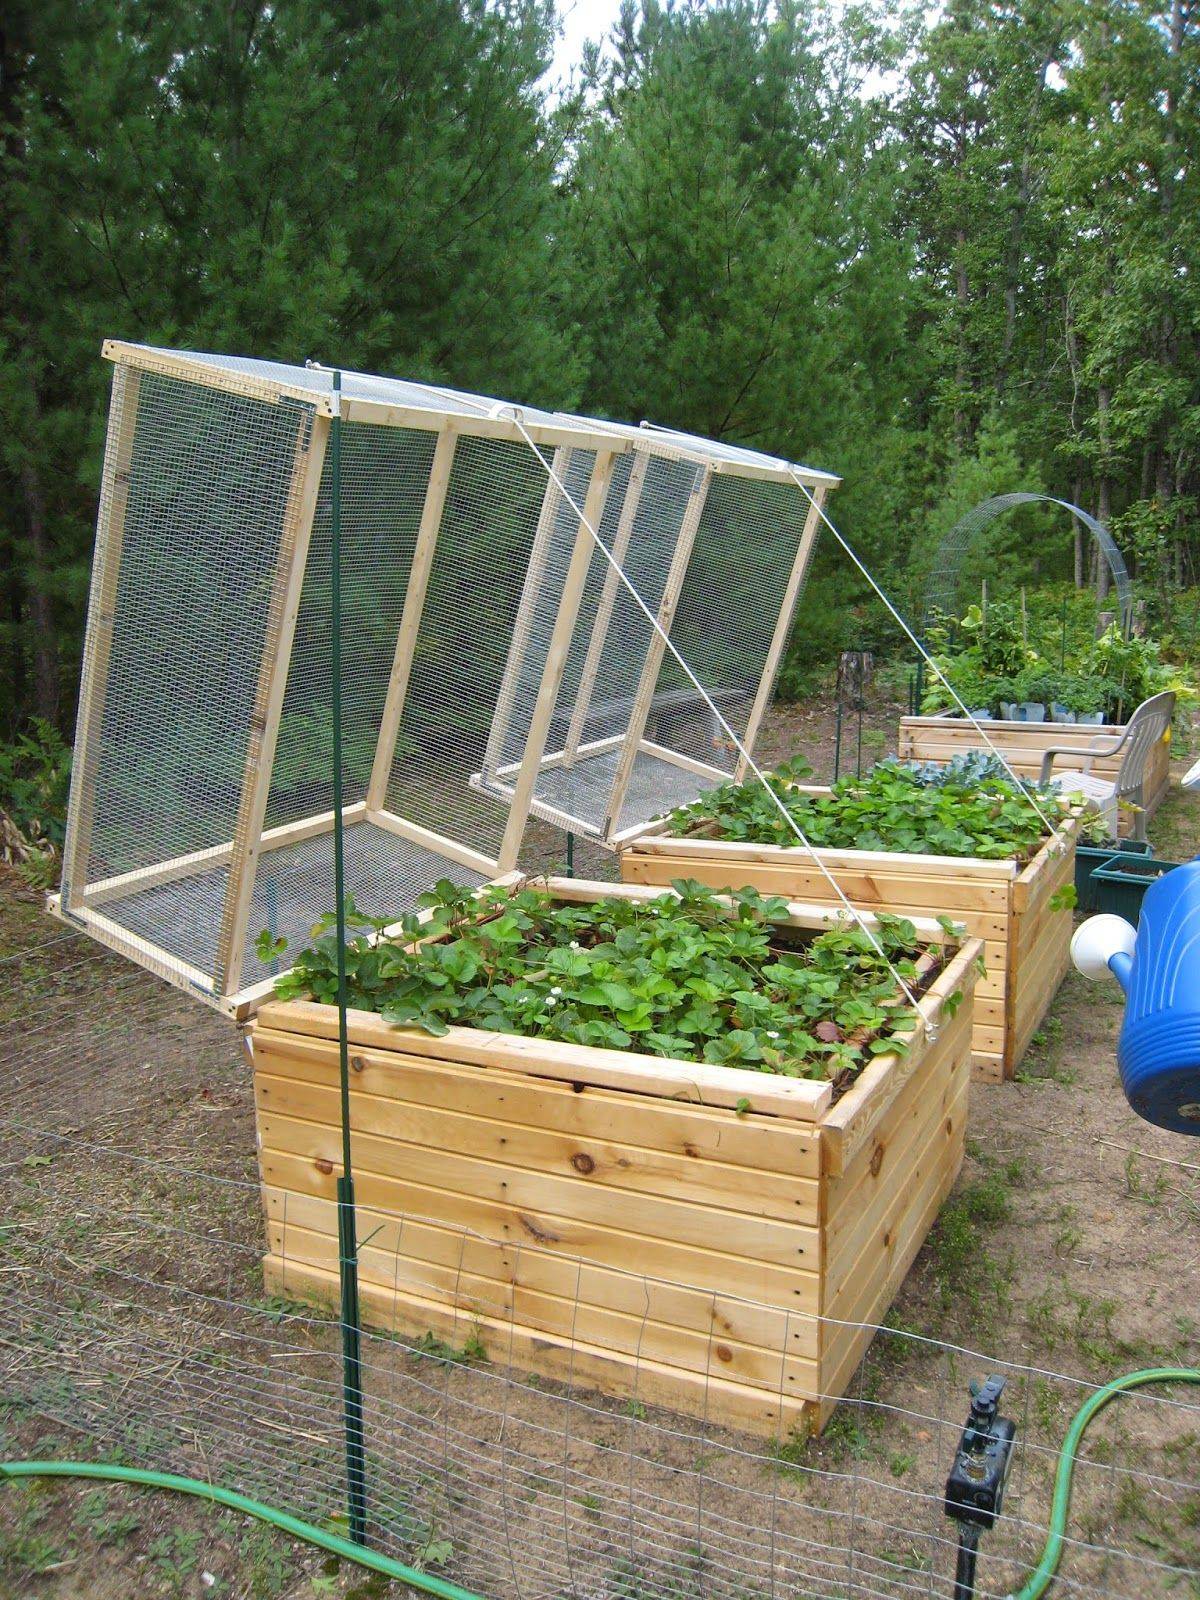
{"points": [[1158, 966]]}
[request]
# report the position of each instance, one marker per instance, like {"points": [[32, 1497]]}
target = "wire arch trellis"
{"points": [[942, 588]]}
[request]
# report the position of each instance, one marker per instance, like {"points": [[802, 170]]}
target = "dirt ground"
{"points": [[134, 1327]]}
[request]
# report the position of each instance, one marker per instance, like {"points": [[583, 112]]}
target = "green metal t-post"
{"points": [[352, 1391]]}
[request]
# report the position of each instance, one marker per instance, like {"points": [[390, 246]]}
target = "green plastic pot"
{"points": [[1088, 857], [1120, 883]]}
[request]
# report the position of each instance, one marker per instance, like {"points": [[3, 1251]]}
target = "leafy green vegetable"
{"points": [[686, 975], [892, 808]]}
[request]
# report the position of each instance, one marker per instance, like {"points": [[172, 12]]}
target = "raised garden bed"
{"points": [[669, 1230], [1023, 743], [1018, 909]]}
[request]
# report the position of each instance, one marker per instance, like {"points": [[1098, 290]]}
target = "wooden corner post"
{"points": [[278, 634], [608, 600], [535, 573], [657, 647], [410, 618], [556, 657], [102, 605], [783, 625]]}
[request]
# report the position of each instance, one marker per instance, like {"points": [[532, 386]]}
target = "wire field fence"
{"points": [[135, 1318]]}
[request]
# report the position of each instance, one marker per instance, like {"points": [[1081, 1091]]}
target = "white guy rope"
{"points": [[926, 1018], [1025, 788]]}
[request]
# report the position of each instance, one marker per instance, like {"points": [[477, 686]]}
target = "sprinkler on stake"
{"points": [[978, 1476]]}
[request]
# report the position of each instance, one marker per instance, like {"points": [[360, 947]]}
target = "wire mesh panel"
{"points": [[610, 640], [478, 595], [179, 625], [735, 603], [509, 576]]}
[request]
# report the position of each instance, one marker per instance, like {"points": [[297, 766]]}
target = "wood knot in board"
{"points": [[582, 1162], [535, 1231], [359, 1063], [876, 1160], [323, 1166], [723, 1352]]}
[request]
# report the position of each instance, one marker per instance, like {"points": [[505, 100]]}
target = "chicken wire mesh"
{"points": [[743, 583], [136, 1327], [485, 633], [952, 562], [611, 637]]}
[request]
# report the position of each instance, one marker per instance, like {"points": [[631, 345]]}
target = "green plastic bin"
{"points": [[1120, 883], [1090, 856]]}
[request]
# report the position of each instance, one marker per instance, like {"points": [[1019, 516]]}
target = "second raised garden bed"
{"points": [[1023, 744], [674, 1231], [1018, 910]]}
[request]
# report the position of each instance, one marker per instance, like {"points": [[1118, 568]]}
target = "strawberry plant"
{"points": [[894, 807], [686, 975]]}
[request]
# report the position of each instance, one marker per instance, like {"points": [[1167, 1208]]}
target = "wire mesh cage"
{"points": [[509, 579]]}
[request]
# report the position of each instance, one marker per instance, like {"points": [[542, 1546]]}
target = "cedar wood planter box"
{"points": [[1026, 943], [1022, 744], [617, 1220]]}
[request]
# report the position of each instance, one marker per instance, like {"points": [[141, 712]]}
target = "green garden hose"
{"points": [[345, 1548], [1042, 1575]]}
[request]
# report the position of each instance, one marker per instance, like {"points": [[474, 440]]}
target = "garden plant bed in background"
{"points": [[1022, 745], [1017, 911], [673, 1231]]}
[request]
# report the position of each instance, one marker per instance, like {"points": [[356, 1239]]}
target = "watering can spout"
{"points": [[1104, 945], [1158, 966]]}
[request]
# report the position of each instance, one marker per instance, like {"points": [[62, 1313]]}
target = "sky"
{"points": [[581, 19]]}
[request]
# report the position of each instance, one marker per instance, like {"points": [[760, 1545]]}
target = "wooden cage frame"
{"points": [[450, 416]]}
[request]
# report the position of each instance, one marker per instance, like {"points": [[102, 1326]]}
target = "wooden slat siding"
{"points": [[844, 1348], [545, 1197], [865, 1286], [421, 1243], [102, 605], [747, 1142], [279, 630], [656, 647], [633, 1332], [415, 592], [984, 911], [783, 626], [867, 1104], [721, 1402], [713, 1269], [651, 840], [557, 652], [691, 1081], [531, 588], [861, 1204], [606, 605], [869, 1171], [599, 1163], [1040, 953], [1022, 743], [983, 895]]}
